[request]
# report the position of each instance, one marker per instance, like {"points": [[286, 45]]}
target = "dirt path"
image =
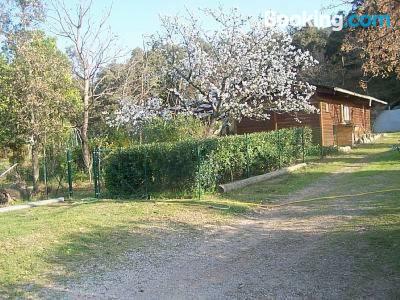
{"points": [[277, 254], [285, 252], [327, 183]]}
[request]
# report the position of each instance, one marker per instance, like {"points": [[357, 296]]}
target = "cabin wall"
{"points": [[279, 121], [328, 126], [327, 120], [247, 125], [335, 130]]}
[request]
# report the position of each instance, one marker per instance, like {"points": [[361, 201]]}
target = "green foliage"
{"points": [[318, 151], [6, 102], [175, 130], [157, 130], [38, 96], [339, 68], [177, 167], [310, 38], [114, 138]]}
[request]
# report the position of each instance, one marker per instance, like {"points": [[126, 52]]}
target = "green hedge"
{"points": [[177, 167], [174, 130]]}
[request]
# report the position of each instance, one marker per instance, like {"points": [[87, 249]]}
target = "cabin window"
{"points": [[346, 117]]}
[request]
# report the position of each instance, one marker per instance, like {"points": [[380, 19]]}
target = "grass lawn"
{"points": [[380, 161], [367, 199], [42, 245]]}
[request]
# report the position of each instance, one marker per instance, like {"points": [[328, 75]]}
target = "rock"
{"points": [[345, 149], [19, 191], [5, 197], [14, 193]]}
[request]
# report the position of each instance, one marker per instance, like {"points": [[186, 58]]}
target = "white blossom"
{"points": [[134, 114], [242, 69]]}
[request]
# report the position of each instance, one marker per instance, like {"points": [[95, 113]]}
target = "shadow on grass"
{"points": [[365, 247], [224, 207], [88, 253], [375, 250], [371, 237], [381, 170], [356, 260]]}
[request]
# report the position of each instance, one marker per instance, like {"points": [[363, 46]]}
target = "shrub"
{"points": [[177, 167], [318, 151], [177, 129]]}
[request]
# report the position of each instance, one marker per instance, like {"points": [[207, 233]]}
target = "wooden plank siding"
{"points": [[325, 123], [331, 116], [279, 121]]}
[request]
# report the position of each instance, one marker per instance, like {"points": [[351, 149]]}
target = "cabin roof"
{"points": [[331, 90]]}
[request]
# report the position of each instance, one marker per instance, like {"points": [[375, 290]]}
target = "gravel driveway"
{"points": [[281, 253], [284, 252]]}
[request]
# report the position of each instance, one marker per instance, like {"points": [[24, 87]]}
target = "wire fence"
{"points": [[153, 171], [63, 172]]}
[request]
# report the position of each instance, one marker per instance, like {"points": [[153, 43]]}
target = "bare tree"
{"points": [[16, 15], [92, 47]]}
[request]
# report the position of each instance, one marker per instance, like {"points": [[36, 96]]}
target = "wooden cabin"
{"points": [[343, 117]]}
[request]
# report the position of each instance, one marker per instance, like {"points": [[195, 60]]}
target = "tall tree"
{"points": [[316, 40], [325, 45], [141, 80], [380, 44], [345, 67], [8, 133], [242, 69], [42, 92], [16, 15], [92, 48]]}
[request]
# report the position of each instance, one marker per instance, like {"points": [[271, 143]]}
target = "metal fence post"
{"points": [[69, 167], [145, 179], [279, 150], [199, 172], [94, 171], [247, 156], [303, 143], [95, 166], [99, 170], [322, 150], [45, 173]]}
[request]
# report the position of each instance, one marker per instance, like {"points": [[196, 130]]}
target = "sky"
{"points": [[130, 20]]}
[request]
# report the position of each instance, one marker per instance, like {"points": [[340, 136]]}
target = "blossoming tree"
{"points": [[239, 68]]}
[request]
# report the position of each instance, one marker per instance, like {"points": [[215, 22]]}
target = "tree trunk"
{"points": [[210, 129], [85, 126], [35, 168]]}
